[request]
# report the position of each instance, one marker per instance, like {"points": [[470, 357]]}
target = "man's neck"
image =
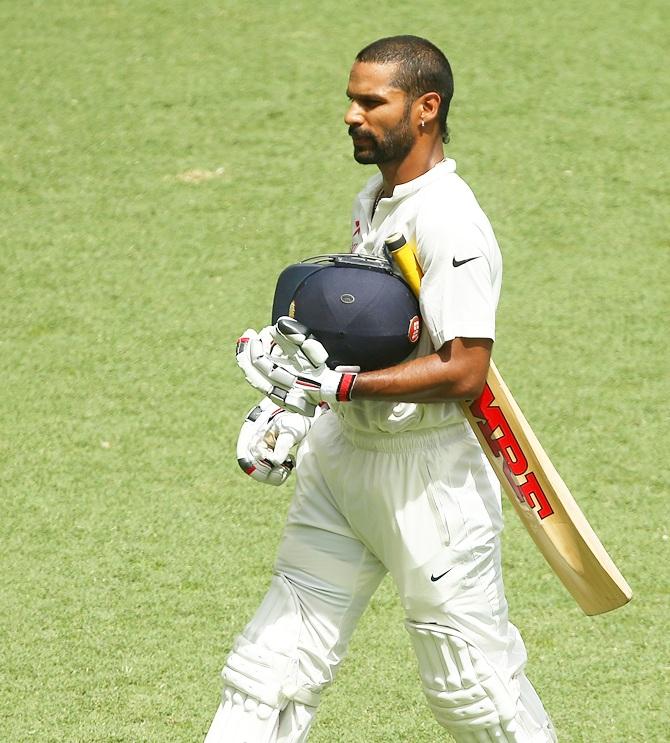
{"points": [[411, 167]]}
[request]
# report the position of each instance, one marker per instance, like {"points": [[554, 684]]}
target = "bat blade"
{"points": [[543, 501]]}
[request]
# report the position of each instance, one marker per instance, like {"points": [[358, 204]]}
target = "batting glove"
{"points": [[295, 374], [251, 346], [266, 438]]}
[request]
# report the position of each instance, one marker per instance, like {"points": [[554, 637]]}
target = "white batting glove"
{"points": [[297, 378], [266, 438], [250, 346]]}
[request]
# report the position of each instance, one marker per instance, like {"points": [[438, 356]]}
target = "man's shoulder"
{"points": [[448, 198], [448, 206], [449, 183]]}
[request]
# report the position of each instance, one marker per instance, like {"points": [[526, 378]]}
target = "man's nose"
{"points": [[353, 116]]}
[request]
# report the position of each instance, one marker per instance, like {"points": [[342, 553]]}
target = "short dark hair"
{"points": [[422, 68]]}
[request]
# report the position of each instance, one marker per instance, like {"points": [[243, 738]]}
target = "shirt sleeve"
{"points": [[461, 283]]}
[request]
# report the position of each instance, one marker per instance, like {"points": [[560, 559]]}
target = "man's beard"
{"points": [[395, 144]]}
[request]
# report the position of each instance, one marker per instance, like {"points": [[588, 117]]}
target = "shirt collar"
{"points": [[371, 188]]}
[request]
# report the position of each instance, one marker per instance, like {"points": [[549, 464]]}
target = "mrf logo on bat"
{"points": [[503, 443]]}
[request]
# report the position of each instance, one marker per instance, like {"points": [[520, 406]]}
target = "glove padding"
{"points": [[267, 435], [292, 372], [251, 346]]}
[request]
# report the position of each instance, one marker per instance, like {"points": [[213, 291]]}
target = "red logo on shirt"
{"points": [[356, 234]]}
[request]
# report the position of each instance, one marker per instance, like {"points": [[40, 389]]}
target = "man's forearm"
{"points": [[456, 372]]}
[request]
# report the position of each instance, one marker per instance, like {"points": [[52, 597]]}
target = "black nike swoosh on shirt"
{"points": [[456, 263], [436, 578]]}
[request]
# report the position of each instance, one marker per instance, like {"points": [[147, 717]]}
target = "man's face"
{"points": [[379, 116]]}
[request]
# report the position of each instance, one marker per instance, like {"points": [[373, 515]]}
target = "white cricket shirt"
{"points": [[462, 268]]}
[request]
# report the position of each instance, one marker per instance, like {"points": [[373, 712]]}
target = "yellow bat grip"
{"points": [[405, 258]]}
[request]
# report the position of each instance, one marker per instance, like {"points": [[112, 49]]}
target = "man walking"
{"points": [[391, 478]]}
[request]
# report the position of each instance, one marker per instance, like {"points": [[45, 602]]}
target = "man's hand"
{"points": [[251, 346], [267, 435], [292, 373]]}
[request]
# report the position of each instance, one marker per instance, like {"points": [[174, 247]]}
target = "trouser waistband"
{"points": [[404, 441]]}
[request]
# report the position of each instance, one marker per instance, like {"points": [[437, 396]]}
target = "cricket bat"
{"points": [[541, 499]]}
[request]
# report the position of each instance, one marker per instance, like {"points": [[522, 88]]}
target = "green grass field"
{"points": [[160, 162]]}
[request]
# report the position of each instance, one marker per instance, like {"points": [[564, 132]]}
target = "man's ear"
{"points": [[429, 106]]}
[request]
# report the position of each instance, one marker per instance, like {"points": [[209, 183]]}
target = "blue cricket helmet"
{"points": [[363, 313]]}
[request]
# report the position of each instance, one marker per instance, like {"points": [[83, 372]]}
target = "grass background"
{"points": [[160, 162]]}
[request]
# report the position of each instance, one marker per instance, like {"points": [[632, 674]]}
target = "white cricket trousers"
{"points": [[425, 507]]}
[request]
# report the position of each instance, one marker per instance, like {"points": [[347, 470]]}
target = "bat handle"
{"points": [[405, 258], [290, 327]]}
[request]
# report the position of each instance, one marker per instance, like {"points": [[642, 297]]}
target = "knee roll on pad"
{"points": [[266, 675], [264, 661], [466, 695]]}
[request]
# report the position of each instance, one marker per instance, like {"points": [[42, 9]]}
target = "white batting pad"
{"points": [[263, 699], [242, 719], [469, 698]]}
